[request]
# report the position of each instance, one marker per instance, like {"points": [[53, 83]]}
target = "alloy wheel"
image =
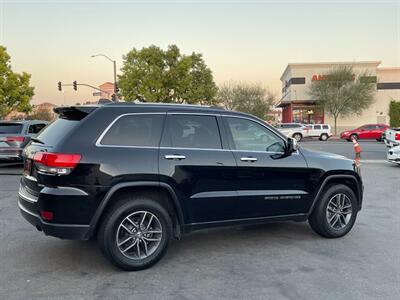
{"points": [[339, 211], [139, 235]]}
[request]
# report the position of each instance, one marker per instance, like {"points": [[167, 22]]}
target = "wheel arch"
{"points": [[349, 180], [145, 187]]}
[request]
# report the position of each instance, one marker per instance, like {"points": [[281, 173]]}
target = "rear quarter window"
{"points": [[56, 130], [13, 128]]}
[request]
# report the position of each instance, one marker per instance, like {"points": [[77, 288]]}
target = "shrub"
{"points": [[394, 113]]}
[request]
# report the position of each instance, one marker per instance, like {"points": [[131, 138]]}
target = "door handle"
{"points": [[174, 156], [249, 159]]}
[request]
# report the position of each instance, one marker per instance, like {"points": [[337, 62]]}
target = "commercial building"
{"points": [[297, 106]]}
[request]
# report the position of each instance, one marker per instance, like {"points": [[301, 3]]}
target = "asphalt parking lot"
{"points": [[274, 261]]}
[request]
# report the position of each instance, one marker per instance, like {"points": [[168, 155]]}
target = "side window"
{"points": [[35, 128], [325, 126], [250, 136], [135, 130], [317, 127], [191, 131]]}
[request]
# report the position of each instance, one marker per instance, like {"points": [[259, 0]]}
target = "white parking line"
{"points": [[374, 161]]}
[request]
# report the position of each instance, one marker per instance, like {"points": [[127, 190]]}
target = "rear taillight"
{"points": [[56, 163], [397, 137], [19, 139]]}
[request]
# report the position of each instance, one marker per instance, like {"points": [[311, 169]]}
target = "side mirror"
{"points": [[291, 145]]}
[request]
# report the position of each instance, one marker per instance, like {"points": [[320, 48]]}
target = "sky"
{"points": [[250, 41]]}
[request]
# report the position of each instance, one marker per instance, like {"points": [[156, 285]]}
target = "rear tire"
{"points": [[133, 242], [335, 213], [324, 137], [353, 136], [297, 136]]}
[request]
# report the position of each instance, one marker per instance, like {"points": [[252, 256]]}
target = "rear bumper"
{"points": [[30, 207], [63, 231]]}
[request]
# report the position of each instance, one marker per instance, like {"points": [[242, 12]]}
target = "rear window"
{"points": [[14, 128], [135, 130], [56, 130]]}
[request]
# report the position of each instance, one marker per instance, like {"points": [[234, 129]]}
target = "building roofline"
{"points": [[369, 62]]}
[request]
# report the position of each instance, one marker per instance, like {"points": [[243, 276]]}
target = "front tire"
{"points": [[335, 213], [135, 233]]}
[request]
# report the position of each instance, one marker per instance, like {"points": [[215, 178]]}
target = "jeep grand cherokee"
{"points": [[136, 175]]}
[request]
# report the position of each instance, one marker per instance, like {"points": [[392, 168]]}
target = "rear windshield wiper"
{"points": [[36, 140]]}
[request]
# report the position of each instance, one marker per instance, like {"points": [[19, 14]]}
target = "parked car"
{"points": [[137, 175], [393, 155], [321, 131], [369, 131], [15, 135], [392, 137], [294, 130]]}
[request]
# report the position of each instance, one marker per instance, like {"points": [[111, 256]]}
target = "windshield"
{"points": [[14, 128]]}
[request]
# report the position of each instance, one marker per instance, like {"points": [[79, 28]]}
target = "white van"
{"points": [[321, 131]]}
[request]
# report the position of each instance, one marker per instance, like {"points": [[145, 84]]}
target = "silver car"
{"points": [[15, 135]]}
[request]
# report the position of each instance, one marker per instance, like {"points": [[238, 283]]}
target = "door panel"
{"points": [[193, 161], [268, 182]]}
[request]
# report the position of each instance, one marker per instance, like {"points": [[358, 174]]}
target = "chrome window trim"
{"points": [[183, 148], [98, 141]]}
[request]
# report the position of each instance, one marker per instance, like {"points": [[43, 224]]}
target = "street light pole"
{"points": [[115, 71]]}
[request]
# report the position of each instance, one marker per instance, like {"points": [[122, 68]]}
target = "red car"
{"points": [[369, 131]]}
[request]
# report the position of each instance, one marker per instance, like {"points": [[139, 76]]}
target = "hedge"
{"points": [[394, 113]]}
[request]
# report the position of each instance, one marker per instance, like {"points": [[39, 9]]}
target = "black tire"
{"points": [[324, 137], [297, 136], [353, 136], [109, 229], [318, 219]]}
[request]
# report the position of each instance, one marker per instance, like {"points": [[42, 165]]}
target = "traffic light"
{"points": [[116, 88], [75, 85], [59, 86], [113, 97]]}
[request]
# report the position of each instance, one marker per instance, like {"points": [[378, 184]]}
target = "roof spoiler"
{"points": [[75, 113]]}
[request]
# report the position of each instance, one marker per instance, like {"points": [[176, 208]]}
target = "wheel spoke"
{"points": [[138, 248], [133, 223], [152, 239], [148, 224], [145, 247], [154, 231], [331, 218], [124, 241], [126, 228], [336, 219], [144, 217], [129, 247]]}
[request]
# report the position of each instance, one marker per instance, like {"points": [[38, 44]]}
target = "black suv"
{"points": [[135, 175]]}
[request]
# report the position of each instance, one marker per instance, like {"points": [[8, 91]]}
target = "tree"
{"points": [[41, 113], [154, 75], [15, 91], [394, 113], [342, 93], [249, 98]]}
